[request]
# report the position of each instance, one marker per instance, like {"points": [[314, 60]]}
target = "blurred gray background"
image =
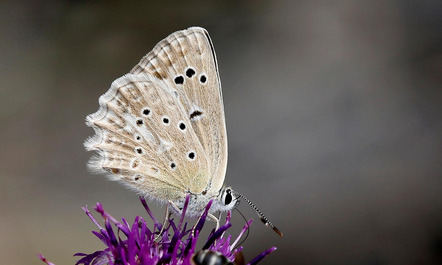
{"points": [[333, 113]]}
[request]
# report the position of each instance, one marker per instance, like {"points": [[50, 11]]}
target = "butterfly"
{"points": [[160, 129]]}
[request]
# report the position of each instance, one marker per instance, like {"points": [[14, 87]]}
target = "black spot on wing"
{"points": [[195, 114]]}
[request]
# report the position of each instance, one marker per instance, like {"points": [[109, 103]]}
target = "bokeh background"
{"points": [[333, 112]]}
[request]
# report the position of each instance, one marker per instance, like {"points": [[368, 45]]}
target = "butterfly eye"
{"points": [[227, 197]]}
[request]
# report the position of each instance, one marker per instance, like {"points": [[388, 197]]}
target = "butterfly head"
{"points": [[228, 198]]}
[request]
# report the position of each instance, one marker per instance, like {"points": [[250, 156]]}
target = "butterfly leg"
{"points": [[217, 221], [175, 207], [168, 214], [211, 217], [166, 219]]}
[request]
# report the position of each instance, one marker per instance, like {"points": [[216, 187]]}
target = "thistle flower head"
{"points": [[175, 244]]}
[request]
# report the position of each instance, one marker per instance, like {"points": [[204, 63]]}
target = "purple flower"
{"points": [[137, 244]]}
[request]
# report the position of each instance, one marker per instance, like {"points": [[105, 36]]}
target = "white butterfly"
{"points": [[160, 129]]}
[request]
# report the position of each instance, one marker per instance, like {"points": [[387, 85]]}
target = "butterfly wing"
{"points": [[144, 139], [186, 61]]}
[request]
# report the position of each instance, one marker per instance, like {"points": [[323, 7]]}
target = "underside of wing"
{"points": [[143, 137], [186, 61]]}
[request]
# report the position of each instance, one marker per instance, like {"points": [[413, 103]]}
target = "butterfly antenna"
{"points": [[260, 214]]}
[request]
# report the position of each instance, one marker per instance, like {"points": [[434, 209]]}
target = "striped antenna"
{"points": [[260, 214]]}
